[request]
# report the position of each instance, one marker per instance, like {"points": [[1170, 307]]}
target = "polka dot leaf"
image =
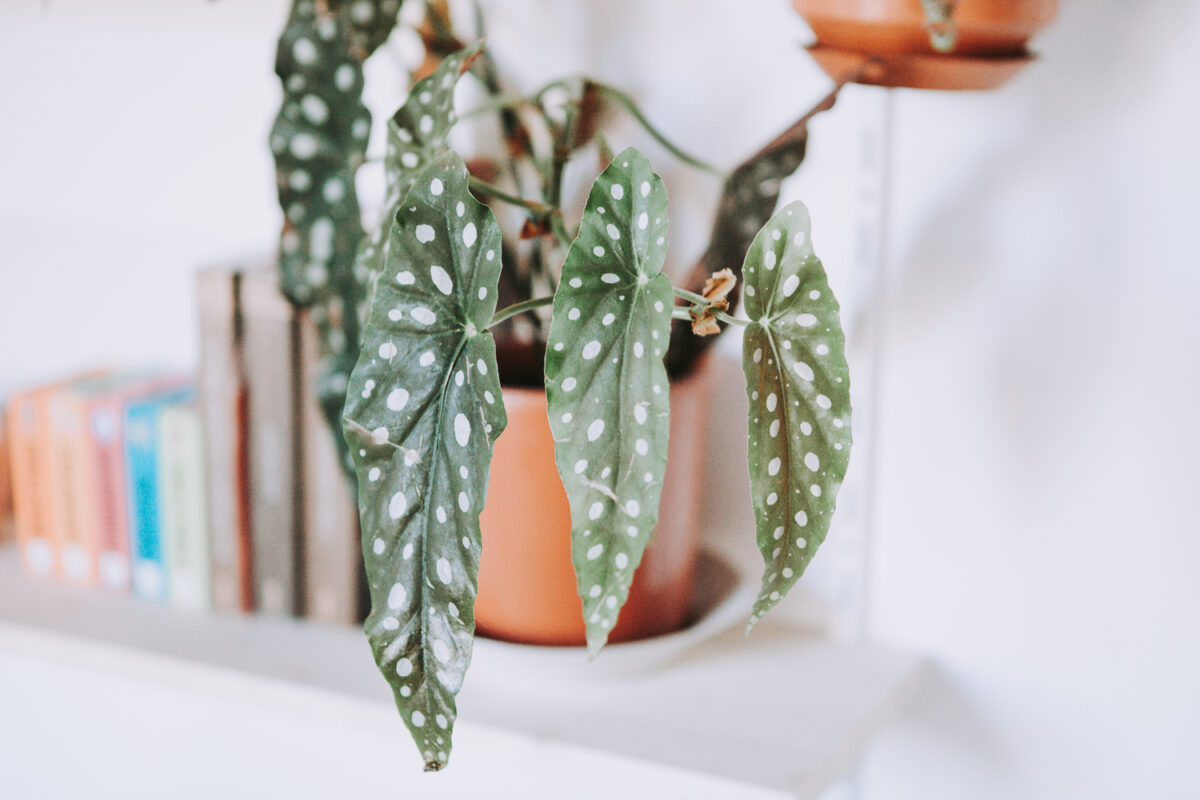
{"points": [[319, 139], [606, 385], [799, 389], [416, 137], [748, 199], [422, 412]]}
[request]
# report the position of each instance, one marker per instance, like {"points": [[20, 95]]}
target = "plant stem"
{"points": [[691, 297], [483, 187], [728, 320], [684, 314], [626, 102], [562, 151], [560, 230], [497, 103], [519, 308]]}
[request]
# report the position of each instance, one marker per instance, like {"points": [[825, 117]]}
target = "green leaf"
{"points": [[799, 388], [416, 138], [748, 197], [606, 385], [319, 139], [422, 412]]}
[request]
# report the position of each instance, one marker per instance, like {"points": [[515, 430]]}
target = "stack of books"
{"points": [[220, 493]]}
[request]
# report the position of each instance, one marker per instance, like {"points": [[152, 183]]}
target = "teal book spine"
{"points": [[147, 551]]}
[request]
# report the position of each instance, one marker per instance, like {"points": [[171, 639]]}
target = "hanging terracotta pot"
{"points": [[527, 591], [886, 43]]}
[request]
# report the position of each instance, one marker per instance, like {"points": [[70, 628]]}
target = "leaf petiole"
{"points": [[519, 308], [626, 102], [691, 297], [483, 187]]}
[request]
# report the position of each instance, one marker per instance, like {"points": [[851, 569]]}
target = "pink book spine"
{"points": [[112, 529]]}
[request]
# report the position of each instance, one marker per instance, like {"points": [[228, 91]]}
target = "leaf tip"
{"points": [[595, 644]]}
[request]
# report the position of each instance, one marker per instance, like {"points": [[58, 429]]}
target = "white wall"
{"points": [[1035, 533], [1037, 524], [131, 149]]}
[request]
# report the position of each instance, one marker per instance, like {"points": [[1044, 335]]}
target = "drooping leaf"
{"points": [[319, 139], [747, 201], [416, 138], [422, 412], [606, 384], [799, 388]]}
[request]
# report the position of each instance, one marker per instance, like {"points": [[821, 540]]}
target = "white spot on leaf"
{"points": [[441, 279], [398, 399], [462, 430], [398, 505]]}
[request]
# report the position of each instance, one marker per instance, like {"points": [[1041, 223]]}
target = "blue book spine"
{"points": [[146, 551]]}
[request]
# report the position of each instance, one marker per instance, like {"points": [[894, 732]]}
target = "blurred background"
{"points": [[1025, 272]]}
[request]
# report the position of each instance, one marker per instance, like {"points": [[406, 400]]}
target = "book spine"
{"points": [[6, 504], [29, 517], [183, 507], [270, 354], [222, 403], [73, 485], [141, 473], [333, 569], [106, 423]]}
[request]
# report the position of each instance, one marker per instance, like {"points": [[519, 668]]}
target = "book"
{"points": [[334, 582], [270, 355], [182, 506], [73, 484], [71, 511], [33, 480], [104, 410], [222, 401], [6, 508], [149, 566]]}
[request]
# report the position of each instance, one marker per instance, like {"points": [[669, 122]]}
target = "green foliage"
{"points": [[422, 406], [939, 21], [423, 410], [748, 199], [319, 139], [799, 388], [606, 385], [416, 138]]}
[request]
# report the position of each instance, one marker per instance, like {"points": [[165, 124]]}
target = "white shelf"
{"points": [[777, 715]]}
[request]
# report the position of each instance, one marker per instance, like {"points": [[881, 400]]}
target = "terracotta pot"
{"points": [[527, 588], [887, 42]]}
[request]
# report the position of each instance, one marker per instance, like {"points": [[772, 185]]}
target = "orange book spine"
{"points": [[50, 487], [6, 508], [32, 528], [73, 482]]}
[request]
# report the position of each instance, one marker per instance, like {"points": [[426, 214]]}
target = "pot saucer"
{"points": [[919, 70], [722, 599]]}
